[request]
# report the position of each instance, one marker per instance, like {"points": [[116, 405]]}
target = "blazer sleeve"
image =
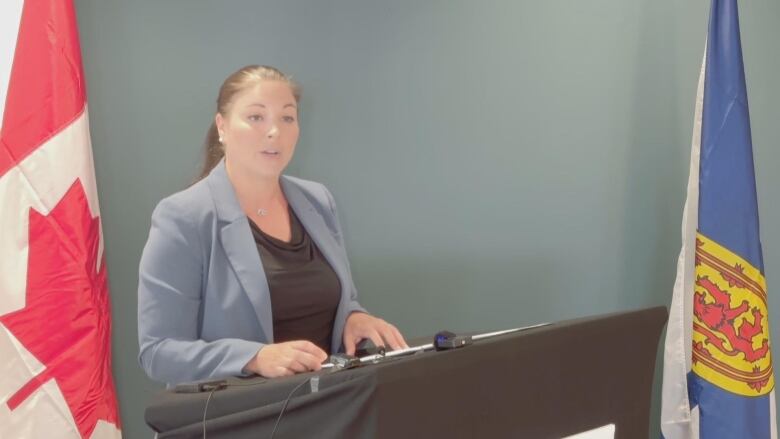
{"points": [[170, 290], [353, 305]]}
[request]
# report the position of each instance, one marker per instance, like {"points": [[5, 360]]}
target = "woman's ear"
{"points": [[220, 122]]}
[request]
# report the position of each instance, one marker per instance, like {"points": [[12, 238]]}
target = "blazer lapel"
{"points": [[316, 228], [242, 253], [240, 248]]}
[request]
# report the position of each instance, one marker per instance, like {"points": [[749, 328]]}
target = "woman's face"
{"points": [[260, 129]]}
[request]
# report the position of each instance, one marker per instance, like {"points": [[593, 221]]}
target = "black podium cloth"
{"points": [[546, 382]]}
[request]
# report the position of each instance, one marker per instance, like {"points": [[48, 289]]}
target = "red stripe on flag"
{"points": [[27, 389], [46, 91]]}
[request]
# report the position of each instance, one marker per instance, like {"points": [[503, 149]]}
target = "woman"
{"points": [[245, 272]]}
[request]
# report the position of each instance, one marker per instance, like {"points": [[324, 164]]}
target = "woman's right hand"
{"points": [[288, 358]]}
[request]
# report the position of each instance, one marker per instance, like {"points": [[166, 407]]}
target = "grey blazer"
{"points": [[204, 308]]}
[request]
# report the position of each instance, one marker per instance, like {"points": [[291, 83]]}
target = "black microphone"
{"points": [[200, 386], [445, 340]]}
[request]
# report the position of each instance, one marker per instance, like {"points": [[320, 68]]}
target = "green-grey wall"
{"points": [[496, 163]]}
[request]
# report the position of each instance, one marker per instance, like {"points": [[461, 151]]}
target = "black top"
{"points": [[305, 291]]}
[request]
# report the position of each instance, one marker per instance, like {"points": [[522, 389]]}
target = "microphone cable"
{"points": [[212, 387], [284, 407], [206, 409]]}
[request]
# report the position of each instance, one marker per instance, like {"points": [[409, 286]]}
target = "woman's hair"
{"points": [[238, 81]]}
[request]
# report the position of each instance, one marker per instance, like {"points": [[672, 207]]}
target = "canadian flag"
{"points": [[55, 322]]}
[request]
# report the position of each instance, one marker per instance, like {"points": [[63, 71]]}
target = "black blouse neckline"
{"points": [[297, 240]]}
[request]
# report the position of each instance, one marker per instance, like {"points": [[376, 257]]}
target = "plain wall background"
{"points": [[495, 163]]}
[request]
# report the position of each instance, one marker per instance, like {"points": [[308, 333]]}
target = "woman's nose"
{"points": [[273, 131]]}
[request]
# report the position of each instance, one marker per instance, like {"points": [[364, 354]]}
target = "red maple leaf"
{"points": [[66, 321]]}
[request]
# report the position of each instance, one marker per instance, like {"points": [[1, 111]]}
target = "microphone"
{"points": [[200, 386], [445, 340], [344, 361]]}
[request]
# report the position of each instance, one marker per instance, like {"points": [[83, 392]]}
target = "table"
{"points": [[546, 382]]}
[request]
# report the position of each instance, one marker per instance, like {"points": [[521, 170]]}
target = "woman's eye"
{"points": [[255, 118], [288, 119]]}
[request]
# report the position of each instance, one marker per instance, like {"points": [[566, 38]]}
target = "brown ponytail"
{"points": [[213, 150]]}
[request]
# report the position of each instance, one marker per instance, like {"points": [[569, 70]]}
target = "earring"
{"points": [[220, 139]]}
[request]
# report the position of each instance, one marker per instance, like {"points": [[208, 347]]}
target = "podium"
{"points": [[547, 382]]}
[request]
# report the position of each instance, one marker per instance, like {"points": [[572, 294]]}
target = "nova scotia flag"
{"points": [[718, 379]]}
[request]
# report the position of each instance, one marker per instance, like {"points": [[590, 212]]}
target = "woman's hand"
{"points": [[288, 358], [361, 325]]}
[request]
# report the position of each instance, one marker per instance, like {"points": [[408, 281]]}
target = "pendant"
{"points": [[262, 212]]}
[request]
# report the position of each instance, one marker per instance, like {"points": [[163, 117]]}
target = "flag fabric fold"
{"points": [[55, 324], [718, 379]]}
